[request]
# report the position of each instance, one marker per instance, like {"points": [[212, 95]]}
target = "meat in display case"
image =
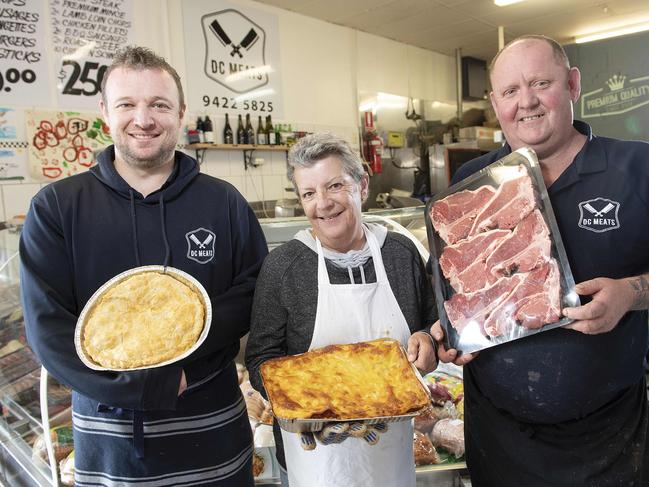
{"points": [[23, 457]]}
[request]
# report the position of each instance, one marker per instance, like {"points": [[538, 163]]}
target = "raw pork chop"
{"points": [[456, 258], [453, 216], [545, 307], [527, 247], [465, 308], [513, 201], [541, 281]]}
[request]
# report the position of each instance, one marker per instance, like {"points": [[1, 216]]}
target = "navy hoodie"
{"points": [[82, 231]]}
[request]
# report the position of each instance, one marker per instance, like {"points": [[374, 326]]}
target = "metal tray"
{"points": [[493, 174], [312, 425], [171, 271]]}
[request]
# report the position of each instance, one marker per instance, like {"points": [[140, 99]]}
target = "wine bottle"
{"points": [[261, 132], [201, 129], [241, 132], [208, 129], [250, 132], [270, 131], [228, 136]]}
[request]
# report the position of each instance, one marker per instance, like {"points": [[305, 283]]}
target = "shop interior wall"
{"points": [[323, 68]]}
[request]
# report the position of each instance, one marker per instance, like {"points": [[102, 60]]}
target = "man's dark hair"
{"points": [[136, 57], [559, 53]]}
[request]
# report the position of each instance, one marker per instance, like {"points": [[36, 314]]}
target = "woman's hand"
{"points": [[421, 351], [449, 355]]}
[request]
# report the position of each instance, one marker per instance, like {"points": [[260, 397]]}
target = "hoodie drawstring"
{"points": [[164, 231], [134, 227], [163, 226]]}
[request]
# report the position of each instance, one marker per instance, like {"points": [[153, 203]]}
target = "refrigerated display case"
{"points": [[20, 373]]}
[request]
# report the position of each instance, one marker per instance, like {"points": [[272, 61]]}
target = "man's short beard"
{"points": [[163, 156]]}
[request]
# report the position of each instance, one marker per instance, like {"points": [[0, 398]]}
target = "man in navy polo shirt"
{"points": [[567, 407]]}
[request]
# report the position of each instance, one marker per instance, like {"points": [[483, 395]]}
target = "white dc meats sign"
{"points": [[232, 56]]}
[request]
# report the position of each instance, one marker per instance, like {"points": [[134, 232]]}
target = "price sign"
{"points": [[14, 76], [82, 79], [24, 76], [85, 39]]}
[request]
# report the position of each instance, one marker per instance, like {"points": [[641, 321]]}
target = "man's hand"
{"points": [[612, 298], [421, 351], [449, 355], [183, 383], [333, 433]]}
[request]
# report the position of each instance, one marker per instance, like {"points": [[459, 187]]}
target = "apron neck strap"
{"points": [[379, 269]]}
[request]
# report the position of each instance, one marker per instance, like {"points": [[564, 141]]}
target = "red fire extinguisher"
{"points": [[372, 144]]}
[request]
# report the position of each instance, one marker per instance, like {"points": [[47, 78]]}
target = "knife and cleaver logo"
{"points": [[200, 245], [235, 50], [599, 215]]}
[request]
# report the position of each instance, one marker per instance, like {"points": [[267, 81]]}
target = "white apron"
{"points": [[349, 313]]}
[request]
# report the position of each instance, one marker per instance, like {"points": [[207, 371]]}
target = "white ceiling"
{"points": [[472, 25]]}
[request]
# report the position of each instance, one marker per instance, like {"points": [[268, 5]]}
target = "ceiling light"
{"points": [[629, 29], [504, 3]]}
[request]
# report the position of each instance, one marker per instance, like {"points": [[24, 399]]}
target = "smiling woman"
{"points": [[341, 281]]}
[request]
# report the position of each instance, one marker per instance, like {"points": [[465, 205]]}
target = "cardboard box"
{"points": [[468, 133]]}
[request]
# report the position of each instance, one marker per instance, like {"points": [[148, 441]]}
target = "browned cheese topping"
{"points": [[360, 380]]}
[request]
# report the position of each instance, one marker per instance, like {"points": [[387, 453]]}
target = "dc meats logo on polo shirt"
{"points": [[599, 215], [200, 245]]}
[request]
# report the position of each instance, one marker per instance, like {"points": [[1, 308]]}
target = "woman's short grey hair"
{"points": [[315, 147]]}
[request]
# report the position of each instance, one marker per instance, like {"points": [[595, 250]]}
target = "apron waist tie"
{"points": [[138, 426], [138, 433]]}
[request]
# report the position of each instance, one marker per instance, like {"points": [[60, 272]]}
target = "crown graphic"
{"points": [[616, 82]]}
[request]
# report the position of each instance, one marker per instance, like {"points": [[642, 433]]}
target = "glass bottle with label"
{"points": [[208, 129], [278, 135], [241, 132], [201, 129], [228, 136], [250, 132], [270, 131], [261, 132]]}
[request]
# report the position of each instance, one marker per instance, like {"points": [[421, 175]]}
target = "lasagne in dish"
{"points": [[143, 320], [343, 382]]}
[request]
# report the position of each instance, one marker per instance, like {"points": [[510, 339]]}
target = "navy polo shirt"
{"points": [[601, 204]]}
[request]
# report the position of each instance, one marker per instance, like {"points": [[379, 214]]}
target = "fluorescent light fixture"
{"points": [[629, 29], [504, 3]]}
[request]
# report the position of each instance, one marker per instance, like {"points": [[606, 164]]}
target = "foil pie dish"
{"points": [[145, 317]]}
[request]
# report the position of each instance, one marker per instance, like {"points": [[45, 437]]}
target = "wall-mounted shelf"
{"points": [[247, 149]]}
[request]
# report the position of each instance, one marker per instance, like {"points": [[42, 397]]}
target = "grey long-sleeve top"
{"points": [[286, 298]]}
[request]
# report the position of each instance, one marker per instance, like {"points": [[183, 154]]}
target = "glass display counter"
{"points": [[23, 456]]}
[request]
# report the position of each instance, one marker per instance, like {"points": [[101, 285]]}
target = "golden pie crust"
{"points": [[143, 320], [360, 380]]}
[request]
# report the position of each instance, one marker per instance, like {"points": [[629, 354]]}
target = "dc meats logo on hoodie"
{"points": [[200, 245], [599, 215]]}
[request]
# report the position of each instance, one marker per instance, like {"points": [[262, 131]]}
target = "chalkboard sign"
{"points": [[614, 85]]}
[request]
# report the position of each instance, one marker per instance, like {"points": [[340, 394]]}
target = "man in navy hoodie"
{"points": [[567, 407], [144, 204]]}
